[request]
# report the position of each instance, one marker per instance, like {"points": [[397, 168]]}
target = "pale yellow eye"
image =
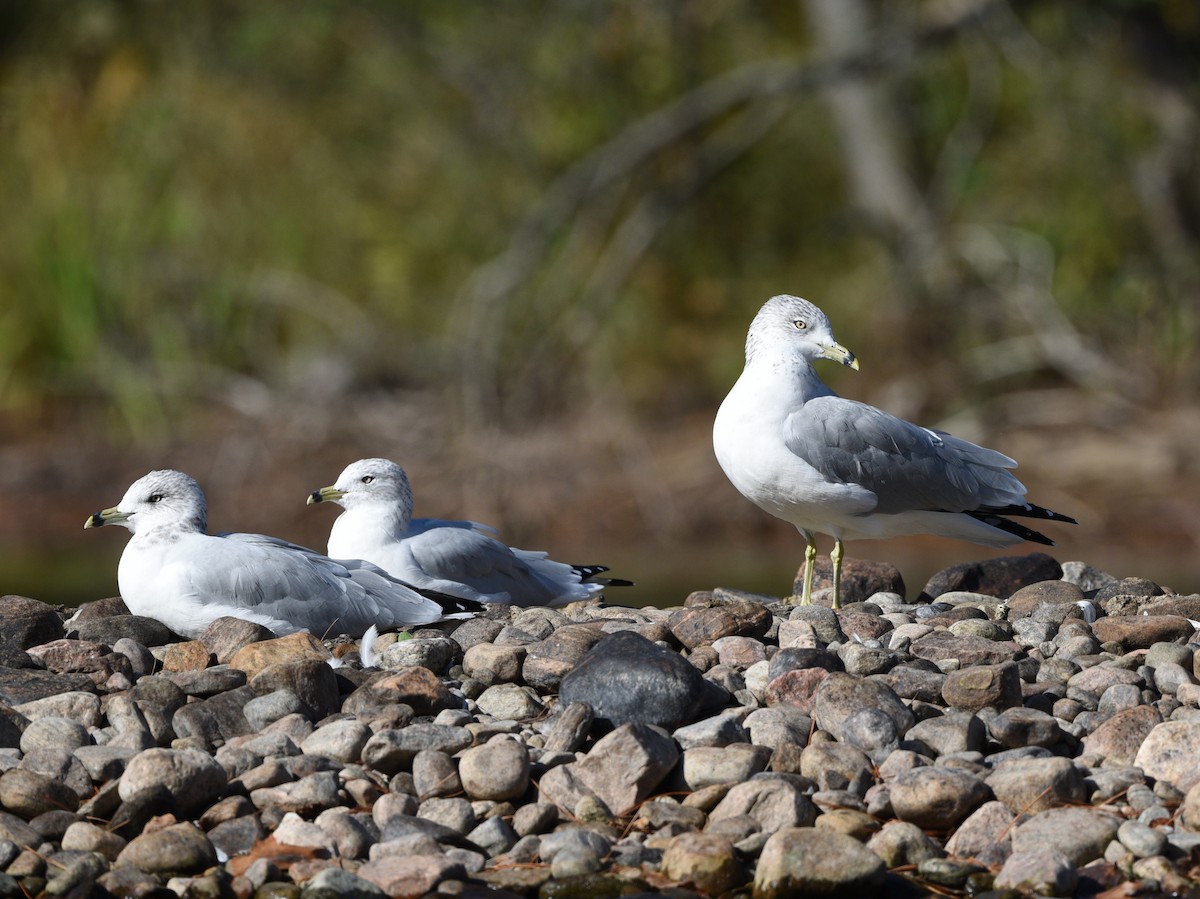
{"points": [[800, 324]]}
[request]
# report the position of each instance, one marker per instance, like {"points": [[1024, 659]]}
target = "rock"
{"points": [[622, 770], [453, 813], [873, 731], [771, 801], [433, 653], [306, 796], [1171, 752], [627, 679], [550, 660], [309, 678], [336, 883], [707, 619], [191, 778], [1041, 871], [705, 766], [342, 740], [110, 630], [257, 657], [837, 766], [1130, 586], [225, 636], [739, 652], [492, 664], [62, 766], [842, 695], [968, 650], [719, 730], [178, 849], [19, 687], [1120, 737], [417, 688], [706, 861], [53, 732], [29, 794], [477, 630], [821, 621], [570, 728], [1020, 726], [1054, 592], [263, 711], [986, 834], [191, 655], [88, 837], [1141, 631], [983, 686], [494, 836], [498, 770], [1000, 577], [955, 731], [1080, 834], [861, 579], [391, 750], [796, 688], [936, 797], [413, 875], [1141, 839], [1087, 577], [900, 843], [911, 682], [510, 702], [27, 623], [434, 774], [1028, 786], [1189, 811], [808, 861]]}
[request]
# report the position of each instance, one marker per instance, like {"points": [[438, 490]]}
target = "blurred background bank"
{"points": [[515, 247]]}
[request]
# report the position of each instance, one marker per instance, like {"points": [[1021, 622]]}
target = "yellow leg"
{"points": [[810, 564], [836, 558]]}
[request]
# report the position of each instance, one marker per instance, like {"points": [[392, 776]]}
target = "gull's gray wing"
{"points": [[448, 559], [905, 466], [268, 578], [421, 525]]}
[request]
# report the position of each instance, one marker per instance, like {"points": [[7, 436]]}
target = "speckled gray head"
{"points": [[367, 481], [794, 325], [161, 499]]}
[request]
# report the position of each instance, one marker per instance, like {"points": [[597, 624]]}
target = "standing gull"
{"points": [[459, 558], [834, 466], [176, 572]]}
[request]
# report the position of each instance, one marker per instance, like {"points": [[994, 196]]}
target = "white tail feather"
{"points": [[366, 648]]}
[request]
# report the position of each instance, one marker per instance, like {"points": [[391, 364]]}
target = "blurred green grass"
{"points": [[201, 192]]}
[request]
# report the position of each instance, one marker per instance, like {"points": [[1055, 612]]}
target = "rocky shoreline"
{"points": [[1019, 728]]}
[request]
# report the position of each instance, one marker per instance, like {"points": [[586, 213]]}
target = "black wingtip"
{"points": [[1015, 528], [588, 574], [453, 604], [1026, 510]]}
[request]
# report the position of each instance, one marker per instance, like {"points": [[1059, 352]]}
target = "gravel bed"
{"points": [[1020, 727]]}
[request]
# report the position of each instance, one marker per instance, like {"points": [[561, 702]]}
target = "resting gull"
{"points": [[176, 572], [459, 558], [835, 466]]}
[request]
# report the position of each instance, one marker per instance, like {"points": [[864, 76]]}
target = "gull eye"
{"points": [[366, 479], [156, 497], [800, 324]]}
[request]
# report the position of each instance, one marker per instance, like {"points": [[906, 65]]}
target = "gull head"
{"points": [[367, 482], [160, 499], [795, 327]]}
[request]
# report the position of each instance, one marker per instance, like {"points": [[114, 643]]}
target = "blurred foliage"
{"points": [[206, 197]]}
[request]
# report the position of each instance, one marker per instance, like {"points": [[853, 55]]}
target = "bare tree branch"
{"points": [[482, 307]]}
